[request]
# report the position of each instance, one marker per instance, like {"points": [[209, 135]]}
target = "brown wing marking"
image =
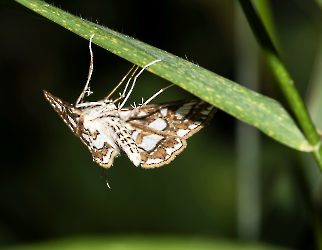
{"points": [[67, 112], [102, 152], [183, 115], [160, 156], [156, 147]]}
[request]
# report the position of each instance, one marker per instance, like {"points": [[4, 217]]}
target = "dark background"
{"points": [[49, 185]]}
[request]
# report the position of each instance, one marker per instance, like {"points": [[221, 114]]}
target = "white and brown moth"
{"points": [[150, 135]]}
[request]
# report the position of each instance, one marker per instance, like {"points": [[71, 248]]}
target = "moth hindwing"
{"points": [[150, 135]]}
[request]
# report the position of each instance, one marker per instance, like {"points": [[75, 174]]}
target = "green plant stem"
{"points": [[301, 180], [296, 104], [283, 78]]}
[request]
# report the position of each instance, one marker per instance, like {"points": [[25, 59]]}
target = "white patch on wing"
{"points": [[183, 132], [71, 120], [86, 137], [135, 134], [179, 116], [58, 105], [164, 112], [158, 124], [99, 142], [170, 150], [193, 126], [107, 157], [175, 148], [153, 161], [150, 141], [179, 145]]}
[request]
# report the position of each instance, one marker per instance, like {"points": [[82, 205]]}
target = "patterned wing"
{"points": [[160, 130], [99, 144], [67, 112]]}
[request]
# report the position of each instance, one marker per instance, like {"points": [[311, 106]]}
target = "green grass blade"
{"points": [[246, 105], [283, 78]]}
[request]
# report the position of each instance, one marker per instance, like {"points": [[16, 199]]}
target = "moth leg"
{"points": [[126, 86], [86, 88], [155, 95], [135, 78]]}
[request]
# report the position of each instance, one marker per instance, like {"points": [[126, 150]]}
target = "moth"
{"points": [[151, 135]]}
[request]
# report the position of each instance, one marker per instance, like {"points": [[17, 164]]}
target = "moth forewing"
{"points": [[66, 111]]}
